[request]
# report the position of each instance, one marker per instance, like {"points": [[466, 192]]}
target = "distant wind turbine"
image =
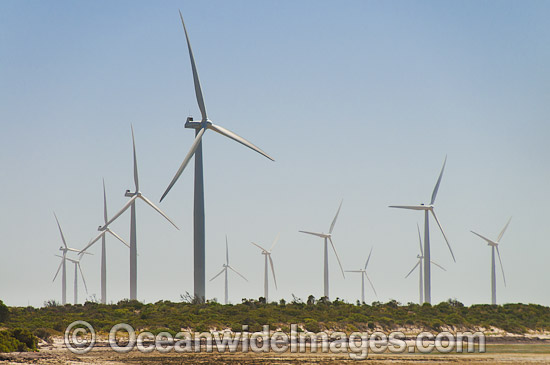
{"points": [[103, 248], [494, 245], [364, 275], [328, 237], [196, 150], [224, 270], [427, 209], [419, 265], [76, 268], [133, 236], [267, 254], [63, 265]]}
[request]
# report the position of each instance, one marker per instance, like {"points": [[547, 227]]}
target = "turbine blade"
{"points": [[218, 274], [313, 233], [238, 273], [436, 264], [503, 230], [335, 217], [158, 210], [226, 251], [60, 231], [366, 263], [82, 274], [126, 206], [339, 263], [94, 240], [354, 270], [104, 203], [186, 160], [260, 247], [420, 240], [371, 285], [136, 180], [272, 270], [413, 207], [484, 238], [444, 236], [275, 241], [501, 267], [117, 237], [75, 250], [59, 268], [225, 132], [436, 188], [196, 81], [415, 266]]}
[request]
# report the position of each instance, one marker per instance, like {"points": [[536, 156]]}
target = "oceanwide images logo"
{"points": [[80, 338]]}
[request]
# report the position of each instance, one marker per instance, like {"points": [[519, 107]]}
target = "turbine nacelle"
{"points": [[130, 194]]}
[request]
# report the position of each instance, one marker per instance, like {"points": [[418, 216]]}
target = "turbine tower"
{"points": [[76, 268], [103, 248], [224, 270], [363, 273], [196, 150], [63, 264], [328, 237], [419, 265], [427, 209], [133, 236], [494, 245], [267, 254]]}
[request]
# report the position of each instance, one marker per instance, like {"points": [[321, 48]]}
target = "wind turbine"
{"points": [[427, 209], [224, 270], [103, 248], [363, 273], [133, 237], [267, 254], [64, 249], [196, 150], [419, 265], [76, 268], [494, 245], [328, 237]]}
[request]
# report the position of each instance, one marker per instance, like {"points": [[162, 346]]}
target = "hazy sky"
{"points": [[359, 100]]}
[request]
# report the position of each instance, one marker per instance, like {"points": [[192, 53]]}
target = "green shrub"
{"points": [[18, 339]]}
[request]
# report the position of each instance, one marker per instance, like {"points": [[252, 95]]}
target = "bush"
{"points": [[19, 340], [4, 312]]}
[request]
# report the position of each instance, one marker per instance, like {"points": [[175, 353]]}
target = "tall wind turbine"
{"points": [[196, 150], [427, 209], [224, 270], [103, 248], [328, 237], [133, 237], [267, 254], [76, 268], [494, 245], [64, 249], [419, 265], [363, 273]]}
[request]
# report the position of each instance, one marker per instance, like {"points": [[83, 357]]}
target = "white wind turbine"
{"points": [[63, 265], [133, 238], [328, 237], [363, 273], [103, 248], [267, 254], [76, 268], [427, 209], [224, 270], [419, 265], [494, 245], [196, 150]]}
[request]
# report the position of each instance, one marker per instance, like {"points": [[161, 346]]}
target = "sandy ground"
{"points": [[502, 353]]}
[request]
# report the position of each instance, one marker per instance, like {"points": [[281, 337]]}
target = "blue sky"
{"points": [[359, 100]]}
